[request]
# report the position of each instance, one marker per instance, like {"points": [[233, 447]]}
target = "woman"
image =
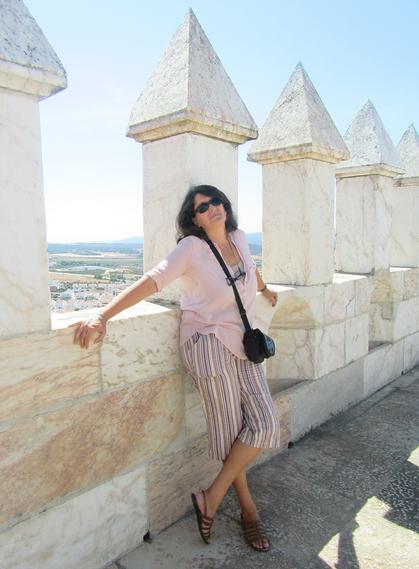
{"points": [[238, 407]]}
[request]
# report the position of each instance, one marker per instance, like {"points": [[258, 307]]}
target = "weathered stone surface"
{"points": [[137, 349], [27, 61], [408, 149], [411, 351], [363, 223], [390, 321], [363, 289], [172, 478], [301, 194], [339, 300], [381, 365], [388, 287], [190, 91], [299, 307], [298, 126], [41, 370], [356, 337], [405, 229], [307, 354], [411, 283], [282, 404], [314, 402], [87, 531], [49, 456], [24, 292], [371, 148]]}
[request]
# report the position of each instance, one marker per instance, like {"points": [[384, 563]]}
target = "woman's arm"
{"points": [[169, 269], [138, 291], [268, 294]]}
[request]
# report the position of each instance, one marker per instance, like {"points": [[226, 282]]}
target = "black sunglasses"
{"points": [[203, 207]]}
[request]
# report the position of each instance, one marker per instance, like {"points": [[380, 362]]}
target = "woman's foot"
{"points": [[253, 529], [202, 510]]}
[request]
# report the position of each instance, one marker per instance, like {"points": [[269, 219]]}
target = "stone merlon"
{"points": [[372, 151], [298, 126], [27, 61], [408, 149], [190, 91]]}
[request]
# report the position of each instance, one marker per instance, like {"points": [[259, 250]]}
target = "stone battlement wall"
{"points": [[99, 447]]}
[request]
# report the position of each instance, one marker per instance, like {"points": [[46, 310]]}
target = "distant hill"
{"points": [[131, 244]]}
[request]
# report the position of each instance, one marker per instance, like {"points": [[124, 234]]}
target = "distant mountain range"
{"points": [[131, 244]]}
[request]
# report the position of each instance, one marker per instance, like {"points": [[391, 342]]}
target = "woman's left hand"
{"points": [[270, 295]]}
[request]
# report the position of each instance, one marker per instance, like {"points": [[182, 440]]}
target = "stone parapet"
{"points": [[79, 428]]}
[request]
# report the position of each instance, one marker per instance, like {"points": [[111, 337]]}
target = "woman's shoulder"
{"points": [[238, 235], [189, 242]]}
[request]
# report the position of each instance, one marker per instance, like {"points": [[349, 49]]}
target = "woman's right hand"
{"points": [[86, 329]]}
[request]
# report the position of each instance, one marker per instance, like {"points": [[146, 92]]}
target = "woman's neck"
{"points": [[218, 235]]}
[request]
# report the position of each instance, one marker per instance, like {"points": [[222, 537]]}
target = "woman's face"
{"points": [[214, 216]]}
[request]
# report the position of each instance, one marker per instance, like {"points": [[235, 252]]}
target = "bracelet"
{"points": [[262, 289]]}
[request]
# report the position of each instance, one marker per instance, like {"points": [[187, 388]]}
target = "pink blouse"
{"points": [[207, 302]]}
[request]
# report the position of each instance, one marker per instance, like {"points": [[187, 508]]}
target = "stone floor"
{"points": [[346, 496]]}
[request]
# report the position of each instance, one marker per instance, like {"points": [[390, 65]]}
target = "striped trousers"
{"points": [[235, 396]]}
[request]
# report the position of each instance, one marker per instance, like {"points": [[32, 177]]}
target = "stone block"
{"points": [[339, 300], [380, 329], [363, 290], [300, 193], [137, 349], [387, 287], [411, 352], [88, 530], [356, 337], [330, 347], [411, 283], [295, 355], [300, 307], [171, 479], [43, 369], [355, 222], [49, 456], [391, 321], [314, 402], [282, 404], [24, 292], [382, 365], [306, 354], [404, 227]]}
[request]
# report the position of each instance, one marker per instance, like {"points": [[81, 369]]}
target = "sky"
{"points": [[352, 51]]}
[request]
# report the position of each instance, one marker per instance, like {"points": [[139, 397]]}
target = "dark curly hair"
{"points": [[184, 221]]}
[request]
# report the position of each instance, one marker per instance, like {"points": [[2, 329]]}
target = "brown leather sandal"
{"points": [[254, 532], [204, 521]]}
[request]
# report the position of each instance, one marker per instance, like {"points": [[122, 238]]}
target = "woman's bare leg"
{"points": [[247, 505], [233, 472], [239, 457]]}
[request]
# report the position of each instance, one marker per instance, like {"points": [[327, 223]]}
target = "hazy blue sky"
{"points": [[352, 51]]}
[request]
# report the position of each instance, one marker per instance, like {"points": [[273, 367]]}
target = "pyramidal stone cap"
{"points": [[190, 91], [372, 151], [27, 61], [408, 149], [298, 126]]}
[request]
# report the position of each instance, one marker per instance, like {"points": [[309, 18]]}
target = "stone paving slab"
{"points": [[345, 496]]}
